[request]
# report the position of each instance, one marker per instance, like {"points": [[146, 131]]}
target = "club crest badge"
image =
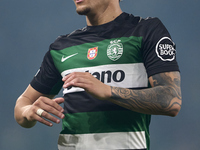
{"points": [[115, 50], [92, 53]]}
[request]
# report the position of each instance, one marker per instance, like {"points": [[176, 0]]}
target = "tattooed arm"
{"points": [[164, 98]]}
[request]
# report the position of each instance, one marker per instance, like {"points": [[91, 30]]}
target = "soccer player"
{"points": [[116, 72]]}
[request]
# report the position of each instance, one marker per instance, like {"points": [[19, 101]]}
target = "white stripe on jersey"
{"points": [[103, 141], [119, 75]]}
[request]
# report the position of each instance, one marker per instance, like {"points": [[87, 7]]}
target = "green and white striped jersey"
{"points": [[121, 53]]}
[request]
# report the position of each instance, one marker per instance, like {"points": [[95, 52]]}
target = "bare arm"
{"points": [[164, 98], [30, 101]]}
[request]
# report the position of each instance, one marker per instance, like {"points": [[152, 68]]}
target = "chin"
{"points": [[83, 10]]}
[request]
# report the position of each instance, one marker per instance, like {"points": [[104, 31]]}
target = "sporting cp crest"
{"points": [[115, 50], [92, 53]]}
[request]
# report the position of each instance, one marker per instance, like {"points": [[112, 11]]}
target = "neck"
{"points": [[105, 16]]}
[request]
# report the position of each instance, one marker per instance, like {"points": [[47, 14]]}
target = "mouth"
{"points": [[79, 1]]}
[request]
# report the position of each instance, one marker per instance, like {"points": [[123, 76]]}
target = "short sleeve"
{"points": [[47, 80], [159, 51]]}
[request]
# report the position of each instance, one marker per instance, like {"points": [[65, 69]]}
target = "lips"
{"points": [[79, 1]]}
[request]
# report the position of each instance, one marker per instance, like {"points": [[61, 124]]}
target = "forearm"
{"points": [[21, 107], [157, 100], [164, 98]]}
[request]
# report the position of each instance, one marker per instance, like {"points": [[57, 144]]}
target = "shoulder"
{"points": [[151, 23], [152, 28], [142, 26], [64, 41], [150, 20], [138, 20]]}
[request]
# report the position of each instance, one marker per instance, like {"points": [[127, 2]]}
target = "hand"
{"points": [[49, 106], [86, 81]]}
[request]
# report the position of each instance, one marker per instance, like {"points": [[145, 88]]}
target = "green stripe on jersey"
{"points": [[131, 53], [107, 121]]}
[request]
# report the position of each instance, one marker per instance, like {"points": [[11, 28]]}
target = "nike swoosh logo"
{"points": [[65, 58]]}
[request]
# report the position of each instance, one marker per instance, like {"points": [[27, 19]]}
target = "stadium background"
{"points": [[28, 27]]}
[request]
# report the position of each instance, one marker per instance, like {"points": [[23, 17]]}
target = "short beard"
{"points": [[83, 11]]}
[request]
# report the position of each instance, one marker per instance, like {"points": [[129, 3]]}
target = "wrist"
{"points": [[108, 92]]}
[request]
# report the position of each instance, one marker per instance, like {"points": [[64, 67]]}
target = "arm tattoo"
{"points": [[163, 98]]}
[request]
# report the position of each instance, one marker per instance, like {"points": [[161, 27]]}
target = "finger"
{"points": [[73, 75], [39, 111], [53, 111], [74, 79], [43, 121], [45, 115], [69, 78], [59, 100], [66, 77], [72, 83], [48, 102], [50, 106]]}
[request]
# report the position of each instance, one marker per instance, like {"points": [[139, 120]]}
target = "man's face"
{"points": [[86, 7]]}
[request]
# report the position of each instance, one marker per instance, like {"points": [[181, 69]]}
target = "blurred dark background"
{"points": [[27, 28]]}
